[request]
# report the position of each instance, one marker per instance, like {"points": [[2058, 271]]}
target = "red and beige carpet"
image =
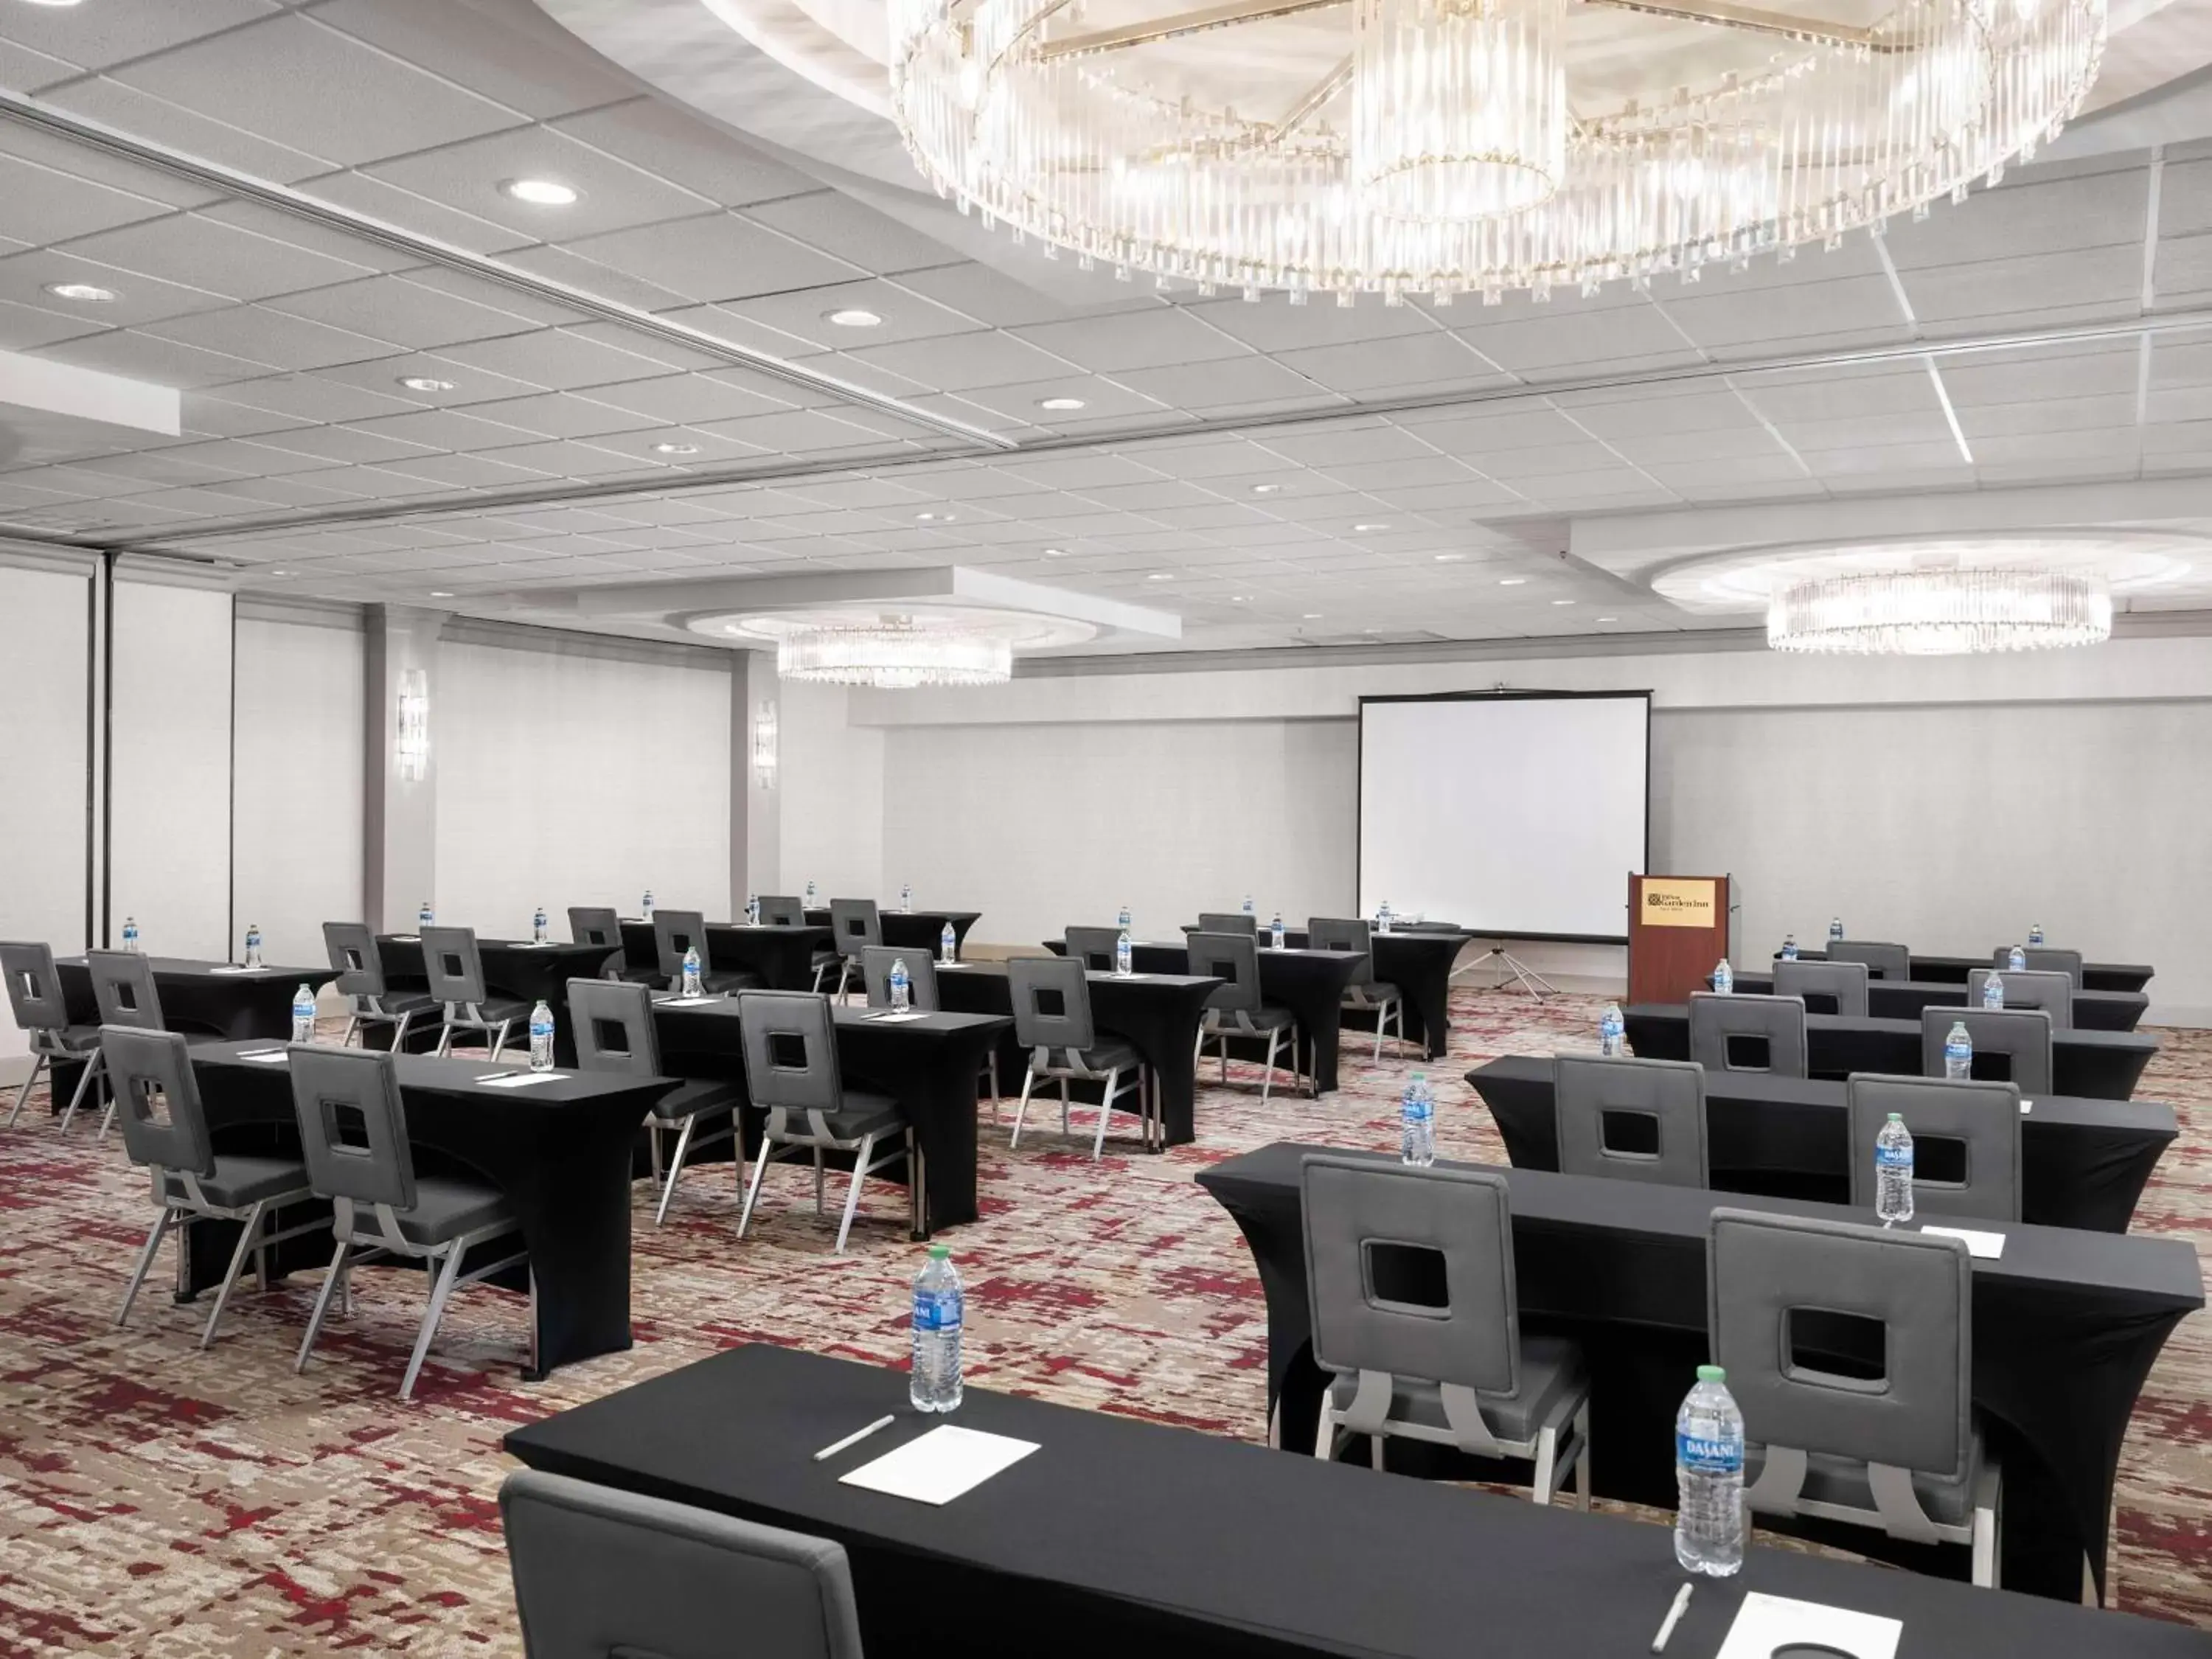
{"points": [[158, 1501]]}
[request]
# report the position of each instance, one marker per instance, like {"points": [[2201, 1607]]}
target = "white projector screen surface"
{"points": [[1513, 817]]}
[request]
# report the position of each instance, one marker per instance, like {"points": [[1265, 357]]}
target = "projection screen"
{"points": [[1515, 815]]}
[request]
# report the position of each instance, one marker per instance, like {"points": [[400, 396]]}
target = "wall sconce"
{"points": [[414, 747], [764, 746]]}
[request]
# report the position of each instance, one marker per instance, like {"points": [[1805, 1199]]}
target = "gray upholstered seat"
{"points": [[1051, 998], [1723, 1027], [1238, 1008], [1980, 1122], [854, 926], [600, 1572], [353, 1130], [783, 910], [599, 924], [1825, 987], [2010, 1044], [1449, 1367], [1364, 994], [124, 988], [454, 967], [1593, 1094], [351, 947], [791, 1070], [2028, 987], [1882, 960], [613, 1027], [1094, 947], [876, 964], [1228, 922], [1897, 1450], [674, 932], [34, 997], [2043, 958], [189, 1180]]}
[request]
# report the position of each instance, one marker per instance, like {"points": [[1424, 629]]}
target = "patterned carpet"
{"points": [[159, 1501]]}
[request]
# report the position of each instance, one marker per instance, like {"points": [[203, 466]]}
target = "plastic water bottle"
{"points": [[303, 1014], [1247, 904], [1836, 930], [538, 934], [425, 917], [1993, 991], [1275, 932], [1892, 1172], [1383, 917], [2035, 932], [939, 1310], [644, 905], [1724, 979], [129, 933], [691, 972], [810, 896], [1124, 955], [1958, 1052], [906, 897], [752, 909], [2016, 960], [899, 998], [254, 945], [948, 943], [1709, 1479], [1417, 1115], [1123, 922], [1612, 1032], [1790, 947], [541, 1038]]}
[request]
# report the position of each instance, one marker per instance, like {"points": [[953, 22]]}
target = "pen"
{"points": [[493, 1076], [853, 1439], [1674, 1618]]}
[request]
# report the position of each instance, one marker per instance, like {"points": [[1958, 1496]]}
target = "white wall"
{"points": [[569, 775], [835, 806], [297, 852]]}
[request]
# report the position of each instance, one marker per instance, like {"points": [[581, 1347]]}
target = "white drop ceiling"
{"points": [[334, 226]]}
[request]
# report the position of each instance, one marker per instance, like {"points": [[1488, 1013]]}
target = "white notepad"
{"points": [[887, 1017], [267, 1057], [1987, 1246], [941, 1464], [1767, 1625], [520, 1079]]}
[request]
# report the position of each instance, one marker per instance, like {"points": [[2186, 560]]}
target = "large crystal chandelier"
{"points": [[1940, 612], [1451, 147], [896, 653]]}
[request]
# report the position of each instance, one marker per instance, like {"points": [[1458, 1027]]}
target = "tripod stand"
{"points": [[1511, 970]]}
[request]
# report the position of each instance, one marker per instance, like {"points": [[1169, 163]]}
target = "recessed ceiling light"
{"points": [[53, 2], [1265, 489], [1368, 529], [934, 518], [425, 383], [1239, 599], [539, 192], [1055, 552], [273, 573], [86, 292], [676, 449], [1311, 616], [1562, 601], [440, 594], [1161, 576], [1512, 581], [1060, 403], [852, 316], [1609, 619], [1450, 558]]}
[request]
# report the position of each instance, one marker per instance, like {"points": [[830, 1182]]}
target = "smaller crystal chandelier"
{"points": [[1933, 613], [894, 654]]}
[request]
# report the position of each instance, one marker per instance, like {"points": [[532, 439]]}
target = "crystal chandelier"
{"points": [[896, 653], [1940, 612], [1451, 146]]}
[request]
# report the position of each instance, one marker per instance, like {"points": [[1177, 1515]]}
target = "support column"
{"points": [[755, 829], [400, 845]]}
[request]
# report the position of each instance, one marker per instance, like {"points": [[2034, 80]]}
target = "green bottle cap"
{"points": [[940, 1252], [1896, 1117], [1711, 1374]]}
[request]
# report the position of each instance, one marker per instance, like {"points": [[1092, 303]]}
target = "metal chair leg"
{"points": [[92, 1066], [1380, 1015], [675, 1168], [1582, 1459], [145, 1260], [1267, 1082], [1021, 1111], [353, 1024], [39, 1064], [852, 1192], [1063, 1105], [332, 1280], [499, 1038], [1105, 1111], [398, 1033], [760, 1168], [248, 1234], [818, 1181], [431, 1316], [445, 1039]]}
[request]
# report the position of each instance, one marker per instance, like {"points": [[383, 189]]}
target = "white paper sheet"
{"points": [[886, 1018], [533, 944], [941, 1464], [682, 1002], [235, 968], [407, 938], [2025, 1107], [1987, 1246], [1766, 1625], [268, 1057], [520, 1079]]}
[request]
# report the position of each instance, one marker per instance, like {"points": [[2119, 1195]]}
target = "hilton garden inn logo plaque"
{"points": [[1674, 902]]}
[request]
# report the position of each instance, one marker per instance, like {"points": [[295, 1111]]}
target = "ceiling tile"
{"points": [[543, 70], [686, 151], [207, 253], [402, 310], [1403, 362], [717, 257], [138, 298], [269, 336], [860, 235], [114, 30], [1721, 312], [1248, 384], [54, 206], [1148, 338], [183, 128], [612, 194], [557, 360]]}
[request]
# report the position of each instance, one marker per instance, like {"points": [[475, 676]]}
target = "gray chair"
{"points": [[34, 997], [782, 910], [1094, 947], [854, 926], [600, 1572], [2021, 1036], [353, 1132], [352, 949], [1719, 1024], [612, 1025], [122, 988], [454, 967], [1238, 1009], [2043, 958], [1901, 1452], [674, 932], [589, 925], [1842, 983], [1052, 1019], [1228, 922], [1882, 960], [1453, 1368], [1981, 1118], [1591, 1097], [791, 1071], [2044, 988], [1364, 993], [151, 1070], [876, 964]]}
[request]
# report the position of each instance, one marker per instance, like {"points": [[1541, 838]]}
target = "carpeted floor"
{"points": [[159, 1501]]}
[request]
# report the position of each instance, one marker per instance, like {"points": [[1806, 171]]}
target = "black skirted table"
{"points": [[2096, 1065], [1157, 1013], [1215, 1548], [1903, 998], [913, 930], [782, 956], [1419, 961], [2066, 1325], [929, 1063], [2084, 1161], [512, 967], [215, 999], [2095, 975], [559, 1151]]}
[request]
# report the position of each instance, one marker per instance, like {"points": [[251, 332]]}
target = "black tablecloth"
{"points": [[2066, 1327], [1157, 1013], [782, 956], [913, 930], [1903, 998], [1419, 961], [559, 1151], [2084, 1161], [512, 968], [1117, 1536], [2097, 1065], [929, 1064], [2095, 975], [197, 997]]}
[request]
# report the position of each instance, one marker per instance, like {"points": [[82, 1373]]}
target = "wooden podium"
{"points": [[1678, 929]]}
